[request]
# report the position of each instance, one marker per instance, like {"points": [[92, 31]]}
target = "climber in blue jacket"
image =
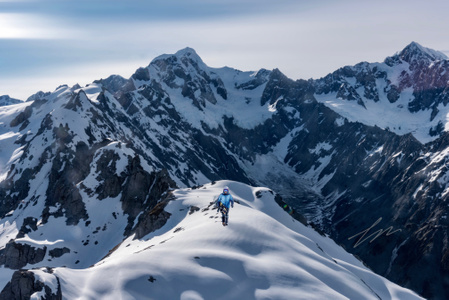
{"points": [[223, 202]]}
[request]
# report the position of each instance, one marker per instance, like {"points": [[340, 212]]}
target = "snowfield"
{"points": [[263, 254], [79, 166]]}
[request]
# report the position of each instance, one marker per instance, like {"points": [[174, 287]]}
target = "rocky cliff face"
{"points": [[101, 160], [23, 285], [410, 85]]}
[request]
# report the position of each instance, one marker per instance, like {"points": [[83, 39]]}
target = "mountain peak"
{"points": [[38, 96], [187, 52], [415, 51], [7, 100]]}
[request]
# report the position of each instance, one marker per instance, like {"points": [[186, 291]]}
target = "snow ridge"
{"points": [[404, 94], [122, 143], [263, 253], [415, 51]]}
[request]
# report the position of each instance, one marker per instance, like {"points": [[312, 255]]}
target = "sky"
{"points": [[47, 43]]}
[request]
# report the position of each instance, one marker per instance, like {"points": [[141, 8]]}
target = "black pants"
{"points": [[224, 214]]}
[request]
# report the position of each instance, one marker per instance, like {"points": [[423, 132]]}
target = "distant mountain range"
{"points": [[6, 100], [361, 153], [407, 93]]}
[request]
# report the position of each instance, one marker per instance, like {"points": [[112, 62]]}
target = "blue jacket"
{"points": [[226, 200]]}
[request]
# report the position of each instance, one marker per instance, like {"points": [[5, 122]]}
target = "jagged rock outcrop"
{"points": [[29, 224], [24, 284], [16, 255], [151, 220], [415, 80], [58, 252], [141, 193], [122, 144], [38, 96], [113, 83]]}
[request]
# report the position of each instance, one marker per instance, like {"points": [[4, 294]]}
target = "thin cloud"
{"points": [[140, 10], [29, 26], [303, 39]]}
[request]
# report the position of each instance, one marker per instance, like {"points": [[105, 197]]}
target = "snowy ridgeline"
{"points": [[263, 254]]}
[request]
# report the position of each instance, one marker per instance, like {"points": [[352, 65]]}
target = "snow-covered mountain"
{"points": [[98, 161], [407, 93], [263, 254], [6, 100]]}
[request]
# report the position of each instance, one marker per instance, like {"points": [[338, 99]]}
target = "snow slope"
{"points": [[204, 124], [392, 116], [243, 92], [407, 93], [263, 254], [8, 150]]}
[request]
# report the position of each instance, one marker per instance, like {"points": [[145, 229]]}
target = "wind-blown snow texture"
{"points": [[263, 254], [83, 168]]}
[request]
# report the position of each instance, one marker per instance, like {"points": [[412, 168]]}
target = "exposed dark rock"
{"points": [[23, 284], [125, 99], [16, 256], [38, 96], [69, 168], [393, 94], [193, 209], [359, 170], [58, 252], [75, 102], [18, 190], [437, 130], [260, 78], [301, 218], [62, 191], [151, 221], [142, 191], [22, 117], [29, 224], [107, 174], [113, 83], [141, 74]]}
